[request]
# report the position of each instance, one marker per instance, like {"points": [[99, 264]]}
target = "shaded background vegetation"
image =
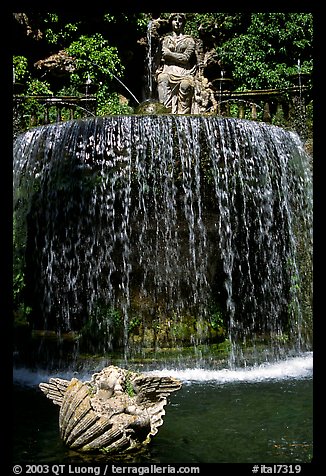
{"points": [[258, 50]]}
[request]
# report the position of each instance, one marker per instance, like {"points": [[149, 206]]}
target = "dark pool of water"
{"points": [[238, 423], [257, 421]]}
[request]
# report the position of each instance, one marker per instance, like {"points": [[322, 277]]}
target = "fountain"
{"points": [[161, 234], [149, 62], [144, 232], [165, 230]]}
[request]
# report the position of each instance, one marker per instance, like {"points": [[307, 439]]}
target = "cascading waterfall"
{"points": [[149, 61], [260, 188], [154, 231]]}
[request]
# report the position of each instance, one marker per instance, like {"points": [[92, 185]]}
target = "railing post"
{"points": [[59, 118], [241, 110], [253, 111], [266, 113], [47, 114]]}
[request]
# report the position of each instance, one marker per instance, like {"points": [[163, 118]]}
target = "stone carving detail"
{"points": [[116, 411], [175, 76], [179, 69]]}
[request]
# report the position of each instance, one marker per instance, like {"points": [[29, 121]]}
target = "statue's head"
{"points": [[180, 16]]}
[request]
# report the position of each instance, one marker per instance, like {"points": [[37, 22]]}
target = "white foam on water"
{"points": [[294, 368]]}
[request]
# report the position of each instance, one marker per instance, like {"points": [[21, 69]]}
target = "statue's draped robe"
{"points": [[176, 77]]}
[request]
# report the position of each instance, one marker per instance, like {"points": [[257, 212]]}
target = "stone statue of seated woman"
{"points": [[177, 69]]}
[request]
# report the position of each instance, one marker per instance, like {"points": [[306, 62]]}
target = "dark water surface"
{"points": [[238, 422], [260, 415]]}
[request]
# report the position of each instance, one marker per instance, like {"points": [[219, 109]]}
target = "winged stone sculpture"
{"points": [[118, 410]]}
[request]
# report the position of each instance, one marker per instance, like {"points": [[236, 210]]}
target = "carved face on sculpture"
{"points": [[177, 21]]}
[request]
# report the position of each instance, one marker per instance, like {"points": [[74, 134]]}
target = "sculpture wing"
{"points": [[152, 392], [55, 389], [152, 389]]}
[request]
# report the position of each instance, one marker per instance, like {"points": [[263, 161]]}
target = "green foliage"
{"points": [[279, 119], [134, 323], [217, 323], [21, 315], [18, 284], [95, 58], [259, 50], [98, 62], [37, 87], [215, 27], [183, 329], [141, 20], [21, 311], [20, 65], [32, 108], [101, 328], [266, 53], [108, 103], [129, 388], [57, 33]]}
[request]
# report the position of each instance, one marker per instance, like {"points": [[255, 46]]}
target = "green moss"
{"points": [[129, 388], [151, 107]]}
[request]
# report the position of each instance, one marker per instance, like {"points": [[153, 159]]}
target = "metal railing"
{"points": [[31, 110], [287, 106], [258, 105]]}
